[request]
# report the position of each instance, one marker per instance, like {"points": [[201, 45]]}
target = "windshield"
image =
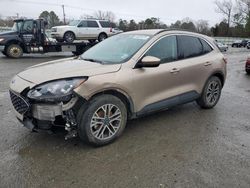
{"points": [[116, 49], [17, 26], [74, 23]]}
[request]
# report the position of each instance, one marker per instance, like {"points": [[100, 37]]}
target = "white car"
{"points": [[91, 30], [222, 47]]}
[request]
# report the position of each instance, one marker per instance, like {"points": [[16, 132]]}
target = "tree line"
{"points": [[235, 23]]}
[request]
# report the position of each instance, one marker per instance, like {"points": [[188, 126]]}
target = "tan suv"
{"points": [[124, 77]]}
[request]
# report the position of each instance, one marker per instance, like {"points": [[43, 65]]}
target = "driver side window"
{"points": [[165, 49], [28, 26]]}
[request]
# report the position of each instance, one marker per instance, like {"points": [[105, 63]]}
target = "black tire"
{"points": [[102, 37], [248, 72], [69, 37], [14, 51], [206, 100], [86, 114]]}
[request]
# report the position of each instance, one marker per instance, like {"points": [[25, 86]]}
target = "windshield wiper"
{"points": [[94, 60]]}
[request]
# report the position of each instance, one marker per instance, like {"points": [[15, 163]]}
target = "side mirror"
{"points": [[149, 61]]}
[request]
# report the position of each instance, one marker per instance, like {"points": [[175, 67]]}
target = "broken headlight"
{"points": [[60, 90]]}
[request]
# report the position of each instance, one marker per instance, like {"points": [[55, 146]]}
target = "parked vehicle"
{"points": [[124, 77], [29, 36], [248, 45], [240, 43], [83, 30], [222, 47], [117, 31], [248, 66]]}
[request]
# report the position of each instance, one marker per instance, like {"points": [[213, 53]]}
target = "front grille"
{"points": [[19, 103]]}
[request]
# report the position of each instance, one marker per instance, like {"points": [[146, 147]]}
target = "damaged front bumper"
{"points": [[46, 116]]}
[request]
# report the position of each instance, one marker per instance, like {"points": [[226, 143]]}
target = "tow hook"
{"points": [[71, 125], [72, 133]]}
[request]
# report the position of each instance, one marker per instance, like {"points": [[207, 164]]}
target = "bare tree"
{"points": [[225, 7], [202, 26], [107, 15], [242, 10]]}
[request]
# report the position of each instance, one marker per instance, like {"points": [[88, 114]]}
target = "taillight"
{"points": [[225, 60], [111, 29], [248, 61]]}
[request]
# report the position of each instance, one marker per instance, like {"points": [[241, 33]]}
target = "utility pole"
{"points": [[64, 21]]}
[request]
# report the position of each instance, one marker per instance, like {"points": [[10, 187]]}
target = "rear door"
{"points": [[195, 63], [93, 29]]}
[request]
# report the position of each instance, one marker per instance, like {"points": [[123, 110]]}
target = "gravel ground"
{"points": [[182, 147]]}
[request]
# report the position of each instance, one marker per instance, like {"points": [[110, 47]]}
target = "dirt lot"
{"points": [[181, 147]]}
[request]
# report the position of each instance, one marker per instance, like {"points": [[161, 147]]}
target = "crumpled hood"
{"points": [[66, 68]]}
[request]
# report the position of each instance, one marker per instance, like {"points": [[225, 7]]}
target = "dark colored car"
{"points": [[248, 45], [248, 66], [240, 43]]}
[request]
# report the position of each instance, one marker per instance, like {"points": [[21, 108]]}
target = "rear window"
{"points": [[92, 24], [206, 47], [189, 47], [105, 24]]}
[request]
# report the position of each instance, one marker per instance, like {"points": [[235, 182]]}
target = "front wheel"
{"points": [[211, 93], [102, 121], [69, 37], [14, 51]]}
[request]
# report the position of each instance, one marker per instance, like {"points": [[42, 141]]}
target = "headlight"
{"points": [[1, 39], [60, 90]]}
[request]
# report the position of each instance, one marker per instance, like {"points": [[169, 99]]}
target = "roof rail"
{"points": [[175, 29]]}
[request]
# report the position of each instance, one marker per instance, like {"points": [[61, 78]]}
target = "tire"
{"points": [[214, 87], [14, 51], [103, 132], [248, 72], [102, 37], [69, 37]]}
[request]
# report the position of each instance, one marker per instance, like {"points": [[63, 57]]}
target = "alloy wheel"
{"points": [[106, 122]]}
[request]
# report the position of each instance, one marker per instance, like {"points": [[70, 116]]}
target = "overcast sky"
{"points": [[167, 10]]}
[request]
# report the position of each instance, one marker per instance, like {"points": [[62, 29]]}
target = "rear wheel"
{"points": [[248, 71], [103, 120], [102, 37], [211, 93], [69, 37], [14, 51]]}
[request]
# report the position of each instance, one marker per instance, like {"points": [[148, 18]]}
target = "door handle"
{"points": [[207, 64], [175, 70]]}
